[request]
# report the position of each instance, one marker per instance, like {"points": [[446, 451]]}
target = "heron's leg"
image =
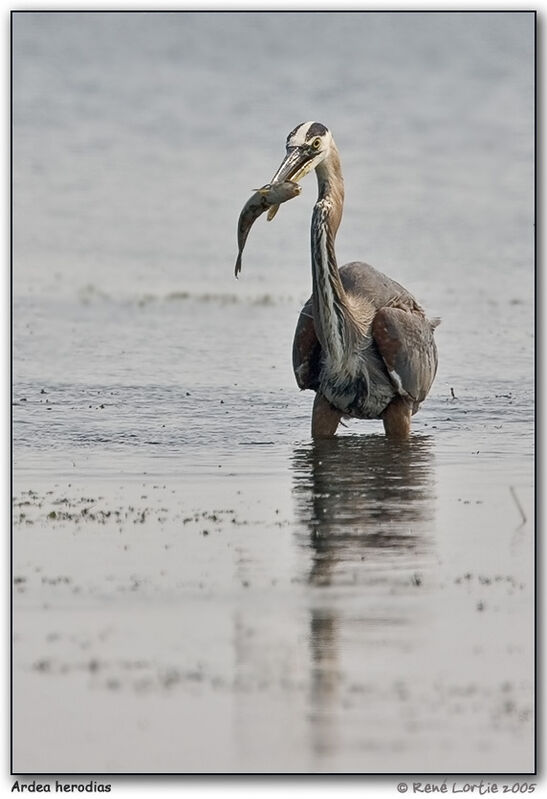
{"points": [[325, 418], [396, 419]]}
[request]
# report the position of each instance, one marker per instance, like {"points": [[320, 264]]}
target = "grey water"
{"points": [[137, 138]]}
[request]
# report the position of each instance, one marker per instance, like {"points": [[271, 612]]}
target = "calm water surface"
{"points": [[188, 560]]}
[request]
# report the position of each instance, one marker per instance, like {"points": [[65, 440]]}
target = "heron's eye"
{"points": [[316, 144]]}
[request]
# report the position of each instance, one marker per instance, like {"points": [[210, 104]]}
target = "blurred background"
{"points": [[139, 136]]}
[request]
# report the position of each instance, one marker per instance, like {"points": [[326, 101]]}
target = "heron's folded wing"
{"points": [[405, 341], [306, 351]]}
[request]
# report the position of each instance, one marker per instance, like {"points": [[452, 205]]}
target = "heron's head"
{"points": [[307, 146]]}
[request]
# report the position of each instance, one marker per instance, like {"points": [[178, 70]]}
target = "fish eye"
{"points": [[316, 144]]}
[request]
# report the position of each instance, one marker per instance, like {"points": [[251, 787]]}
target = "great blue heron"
{"points": [[362, 342]]}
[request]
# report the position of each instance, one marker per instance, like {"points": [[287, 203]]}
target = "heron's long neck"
{"points": [[332, 314]]}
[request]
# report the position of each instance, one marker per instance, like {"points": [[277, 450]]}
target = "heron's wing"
{"points": [[306, 350], [405, 340]]}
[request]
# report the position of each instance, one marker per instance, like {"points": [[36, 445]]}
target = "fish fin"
{"points": [[237, 269], [272, 212]]}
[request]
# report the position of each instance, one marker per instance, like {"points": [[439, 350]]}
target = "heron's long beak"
{"points": [[294, 166]]}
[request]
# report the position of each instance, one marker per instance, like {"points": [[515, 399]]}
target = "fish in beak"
{"points": [[296, 164], [263, 198]]}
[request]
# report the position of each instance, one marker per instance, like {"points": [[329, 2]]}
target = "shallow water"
{"points": [[187, 563]]}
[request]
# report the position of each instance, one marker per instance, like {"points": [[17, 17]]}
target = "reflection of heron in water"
{"points": [[367, 507], [352, 511]]}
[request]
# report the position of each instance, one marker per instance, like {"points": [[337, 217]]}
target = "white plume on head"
{"points": [[306, 132]]}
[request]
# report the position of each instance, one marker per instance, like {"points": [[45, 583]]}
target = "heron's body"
{"points": [[362, 342], [378, 365]]}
